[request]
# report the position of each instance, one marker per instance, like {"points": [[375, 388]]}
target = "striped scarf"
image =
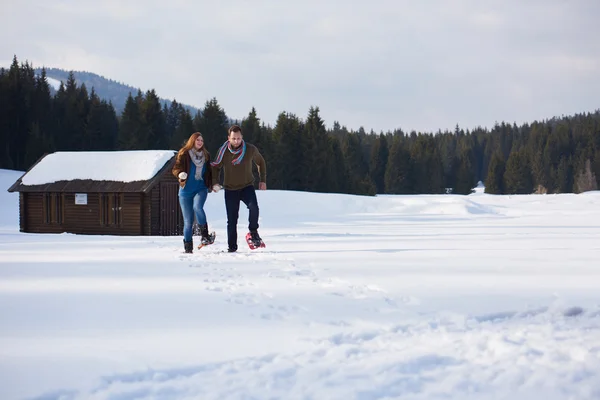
{"points": [[236, 161]]}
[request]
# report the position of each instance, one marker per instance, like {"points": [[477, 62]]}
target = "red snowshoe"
{"points": [[254, 241]]}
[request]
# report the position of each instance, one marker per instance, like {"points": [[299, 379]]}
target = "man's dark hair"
{"points": [[234, 128]]}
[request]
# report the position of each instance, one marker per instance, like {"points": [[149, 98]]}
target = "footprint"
{"points": [[271, 316], [243, 299]]}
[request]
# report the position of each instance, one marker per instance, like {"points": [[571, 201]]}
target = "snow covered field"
{"points": [[393, 297]]}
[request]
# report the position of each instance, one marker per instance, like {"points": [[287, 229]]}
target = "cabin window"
{"points": [[53, 208], [111, 205]]}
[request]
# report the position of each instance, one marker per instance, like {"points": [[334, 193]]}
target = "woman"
{"points": [[192, 168]]}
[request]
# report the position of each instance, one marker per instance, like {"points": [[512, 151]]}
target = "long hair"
{"points": [[190, 145]]}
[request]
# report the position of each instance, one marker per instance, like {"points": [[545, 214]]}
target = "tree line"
{"points": [[559, 155]]}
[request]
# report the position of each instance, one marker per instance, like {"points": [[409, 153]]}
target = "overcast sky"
{"points": [[381, 64]]}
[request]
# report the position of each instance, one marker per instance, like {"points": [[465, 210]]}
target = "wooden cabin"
{"points": [[101, 193]]}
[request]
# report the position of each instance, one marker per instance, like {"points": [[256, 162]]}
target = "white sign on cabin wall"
{"points": [[81, 198]]}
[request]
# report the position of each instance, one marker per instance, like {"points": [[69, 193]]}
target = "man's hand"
{"points": [[216, 187], [262, 186]]}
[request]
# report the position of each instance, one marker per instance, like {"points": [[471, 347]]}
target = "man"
{"points": [[235, 157]]}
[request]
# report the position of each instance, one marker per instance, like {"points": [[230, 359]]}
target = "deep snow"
{"points": [[388, 297]]}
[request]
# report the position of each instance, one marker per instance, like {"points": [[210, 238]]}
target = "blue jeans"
{"points": [[191, 205]]}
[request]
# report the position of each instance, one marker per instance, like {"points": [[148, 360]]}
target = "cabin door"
{"points": [[171, 220]]}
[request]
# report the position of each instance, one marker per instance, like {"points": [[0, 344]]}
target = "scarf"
{"points": [[198, 159], [240, 152]]}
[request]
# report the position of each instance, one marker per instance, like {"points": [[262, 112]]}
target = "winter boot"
{"points": [[256, 238], [188, 246], [206, 237]]}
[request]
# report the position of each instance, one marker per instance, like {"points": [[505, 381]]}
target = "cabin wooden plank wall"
{"points": [[155, 210], [167, 219], [143, 212], [131, 214], [35, 219], [104, 213], [22, 209], [146, 214]]}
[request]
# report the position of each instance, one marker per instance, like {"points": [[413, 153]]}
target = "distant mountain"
{"points": [[106, 89]]}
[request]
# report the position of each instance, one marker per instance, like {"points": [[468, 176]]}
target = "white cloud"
{"points": [[112, 9], [381, 64]]}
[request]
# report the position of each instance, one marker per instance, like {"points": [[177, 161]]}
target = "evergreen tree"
{"points": [[251, 128], [378, 162], [465, 179], [42, 104], [478, 138], [110, 126], [338, 174], [319, 163], [154, 122], [557, 144], [427, 169], [494, 182], [447, 147], [259, 136], [38, 143], [537, 142], [289, 166], [564, 174], [517, 177], [94, 133], [39, 138], [596, 165], [130, 126], [5, 158], [184, 128], [172, 117], [398, 179], [102, 127], [80, 114], [74, 106], [358, 170], [213, 124], [20, 92], [154, 135], [60, 106], [338, 131], [586, 179], [490, 147]]}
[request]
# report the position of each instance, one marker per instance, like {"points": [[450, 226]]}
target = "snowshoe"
{"points": [[254, 241], [207, 240]]}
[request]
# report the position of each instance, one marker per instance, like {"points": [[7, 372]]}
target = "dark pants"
{"points": [[232, 205]]}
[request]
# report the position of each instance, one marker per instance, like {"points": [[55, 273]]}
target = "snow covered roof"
{"points": [[119, 166], [123, 167]]}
